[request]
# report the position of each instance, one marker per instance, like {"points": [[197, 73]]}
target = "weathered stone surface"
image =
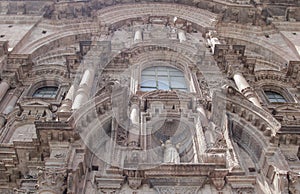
{"points": [[160, 96]]}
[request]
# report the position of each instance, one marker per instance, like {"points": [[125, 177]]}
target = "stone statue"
{"points": [[171, 154]]}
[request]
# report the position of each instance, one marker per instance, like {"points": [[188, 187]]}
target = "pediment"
{"points": [[36, 103], [162, 94], [287, 108]]}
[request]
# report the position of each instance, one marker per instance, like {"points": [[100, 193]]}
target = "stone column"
{"points": [[67, 104], [70, 93], [181, 36], [2, 121], [4, 86], [11, 104], [245, 88], [138, 36], [133, 137], [83, 91], [201, 111]]}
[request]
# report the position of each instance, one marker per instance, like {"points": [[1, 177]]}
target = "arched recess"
{"points": [[248, 137], [94, 124], [62, 37], [141, 56], [170, 121], [274, 81], [113, 15], [42, 82], [251, 127], [262, 47], [179, 131], [202, 19]]}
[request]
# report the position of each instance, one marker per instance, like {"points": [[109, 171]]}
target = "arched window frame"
{"points": [[279, 90], [29, 93]]}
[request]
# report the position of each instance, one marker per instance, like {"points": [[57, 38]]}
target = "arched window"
{"points": [[274, 97], [162, 78], [46, 92]]}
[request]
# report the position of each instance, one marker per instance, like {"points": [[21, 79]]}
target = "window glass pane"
{"points": [[148, 77], [148, 89], [272, 100], [148, 72], [162, 73], [149, 83], [46, 92], [281, 100], [162, 78], [177, 82], [163, 85], [275, 97], [176, 73], [161, 68]]}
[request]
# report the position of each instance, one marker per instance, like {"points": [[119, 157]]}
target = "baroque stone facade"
{"points": [[150, 96]]}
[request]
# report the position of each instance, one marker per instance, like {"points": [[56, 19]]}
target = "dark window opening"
{"points": [[46, 92], [95, 168], [251, 169], [274, 97]]}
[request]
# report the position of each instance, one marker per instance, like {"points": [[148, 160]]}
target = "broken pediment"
{"points": [[39, 103], [287, 108]]}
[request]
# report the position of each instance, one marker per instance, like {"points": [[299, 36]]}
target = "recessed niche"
{"points": [[10, 26], [44, 32], [2, 36], [95, 168], [251, 169]]}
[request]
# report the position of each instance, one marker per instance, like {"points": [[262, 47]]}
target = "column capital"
{"points": [[6, 79], [233, 70]]}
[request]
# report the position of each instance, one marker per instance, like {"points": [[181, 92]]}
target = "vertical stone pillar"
{"points": [[67, 104], [138, 36], [181, 36], [245, 88], [11, 104], [2, 121], [4, 86], [134, 133], [70, 93], [201, 111], [83, 91]]}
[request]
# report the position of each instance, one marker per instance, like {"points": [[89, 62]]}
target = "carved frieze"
{"points": [[177, 189], [53, 180]]}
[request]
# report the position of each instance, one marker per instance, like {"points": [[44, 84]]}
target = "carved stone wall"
{"points": [[102, 131]]}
